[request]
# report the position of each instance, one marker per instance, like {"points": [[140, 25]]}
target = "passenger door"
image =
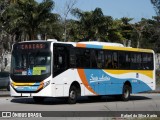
{"points": [[61, 58]]}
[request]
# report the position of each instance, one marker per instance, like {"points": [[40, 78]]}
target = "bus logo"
{"points": [[98, 79]]}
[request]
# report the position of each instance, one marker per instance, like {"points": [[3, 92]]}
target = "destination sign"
{"points": [[31, 46]]}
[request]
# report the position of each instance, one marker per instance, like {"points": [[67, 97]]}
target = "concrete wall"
{"points": [[5, 61], [157, 58]]}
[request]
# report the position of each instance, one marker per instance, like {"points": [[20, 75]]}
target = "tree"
{"points": [[3, 36], [138, 29], [4, 39], [126, 29], [154, 32], [68, 7], [93, 25], [51, 28], [156, 4], [27, 16], [115, 32]]}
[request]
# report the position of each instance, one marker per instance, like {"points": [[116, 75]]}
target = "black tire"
{"points": [[38, 99], [73, 93], [126, 93]]}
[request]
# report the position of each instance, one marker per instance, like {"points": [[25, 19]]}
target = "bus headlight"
{"points": [[45, 84]]}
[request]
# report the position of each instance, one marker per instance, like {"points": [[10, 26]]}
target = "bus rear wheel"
{"points": [[72, 99], [126, 93]]}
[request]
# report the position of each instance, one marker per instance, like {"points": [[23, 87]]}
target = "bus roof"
{"points": [[97, 45], [111, 46], [103, 43]]}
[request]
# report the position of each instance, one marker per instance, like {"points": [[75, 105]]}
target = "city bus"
{"points": [[41, 69]]}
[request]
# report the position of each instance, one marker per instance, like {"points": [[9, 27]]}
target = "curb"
{"points": [[4, 93]]}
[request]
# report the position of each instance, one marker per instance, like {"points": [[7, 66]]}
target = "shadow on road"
{"points": [[81, 100]]}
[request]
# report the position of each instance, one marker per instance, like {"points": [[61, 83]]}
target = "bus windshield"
{"points": [[30, 63]]}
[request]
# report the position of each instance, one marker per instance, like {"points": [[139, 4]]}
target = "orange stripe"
{"points": [[41, 86], [81, 45], [84, 80]]}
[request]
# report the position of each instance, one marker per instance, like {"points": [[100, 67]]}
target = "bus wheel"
{"points": [[38, 99], [72, 95], [126, 92]]}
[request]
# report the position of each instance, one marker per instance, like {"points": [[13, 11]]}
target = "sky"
{"points": [[136, 9]]}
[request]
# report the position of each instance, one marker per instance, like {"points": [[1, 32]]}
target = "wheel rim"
{"points": [[72, 94], [126, 93]]}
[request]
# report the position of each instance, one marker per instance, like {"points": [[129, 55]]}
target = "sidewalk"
{"points": [[4, 93], [157, 90]]}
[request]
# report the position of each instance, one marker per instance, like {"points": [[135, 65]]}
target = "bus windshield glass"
{"points": [[31, 63]]}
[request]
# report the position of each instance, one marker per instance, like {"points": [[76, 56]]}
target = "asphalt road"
{"points": [[138, 102]]}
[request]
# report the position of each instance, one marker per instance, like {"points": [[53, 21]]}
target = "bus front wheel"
{"points": [[72, 95], [126, 92]]}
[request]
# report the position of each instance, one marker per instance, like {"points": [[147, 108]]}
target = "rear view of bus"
{"points": [[31, 69]]}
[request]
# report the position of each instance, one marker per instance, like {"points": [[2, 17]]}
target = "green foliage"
{"points": [[29, 17], [94, 24], [156, 4], [26, 19]]}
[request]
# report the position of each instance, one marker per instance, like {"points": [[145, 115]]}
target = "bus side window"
{"points": [[108, 59], [94, 59], [72, 58], [115, 60], [147, 61], [100, 59], [108, 63], [124, 60], [82, 57], [111, 58]]}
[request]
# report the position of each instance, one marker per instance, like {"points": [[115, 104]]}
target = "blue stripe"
{"points": [[104, 84], [27, 88], [94, 46], [34, 87]]}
